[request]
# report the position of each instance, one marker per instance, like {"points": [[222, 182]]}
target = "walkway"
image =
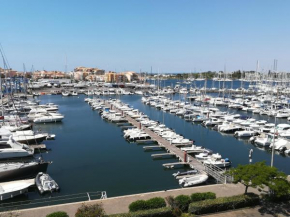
{"points": [[163, 142], [120, 204]]}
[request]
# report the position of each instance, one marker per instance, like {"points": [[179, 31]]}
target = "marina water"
{"points": [[90, 154]]}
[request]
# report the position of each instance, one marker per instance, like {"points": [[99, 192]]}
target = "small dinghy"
{"points": [[190, 172], [195, 180], [45, 183]]}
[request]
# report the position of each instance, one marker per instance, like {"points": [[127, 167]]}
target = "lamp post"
{"points": [[273, 145]]}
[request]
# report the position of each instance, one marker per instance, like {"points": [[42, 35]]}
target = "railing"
{"points": [[217, 173], [52, 200]]}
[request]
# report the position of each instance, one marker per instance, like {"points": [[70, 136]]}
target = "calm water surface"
{"points": [[90, 154]]}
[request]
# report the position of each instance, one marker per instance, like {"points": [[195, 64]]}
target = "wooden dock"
{"points": [[172, 165], [148, 141], [153, 147], [163, 155], [181, 155], [184, 158]]}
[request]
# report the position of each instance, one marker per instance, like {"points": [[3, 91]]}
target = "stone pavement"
{"points": [[120, 204]]}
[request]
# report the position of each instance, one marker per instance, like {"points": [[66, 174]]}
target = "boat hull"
{"points": [[23, 173]]}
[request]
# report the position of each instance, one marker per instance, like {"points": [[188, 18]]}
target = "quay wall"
{"points": [[120, 204]]}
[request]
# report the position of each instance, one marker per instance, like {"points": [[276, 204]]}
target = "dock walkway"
{"points": [[181, 155]]}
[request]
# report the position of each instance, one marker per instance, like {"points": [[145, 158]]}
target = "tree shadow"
{"points": [[275, 209]]}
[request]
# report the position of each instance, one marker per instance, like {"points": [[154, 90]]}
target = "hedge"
{"points": [[182, 202], [223, 203], [161, 212], [156, 202], [153, 203], [58, 214], [202, 196], [138, 205]]}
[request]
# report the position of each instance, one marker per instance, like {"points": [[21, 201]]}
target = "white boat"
{"points": [[17, 150], [280, 128], [245, 133], [263, 140], [199, 119], [261, 122], [193, 148], [74, 93], [217, 161], [205, 155], [139, 92], [65, 93], [281, 144], [194, 180], [11, 189], [29, 137], [282, 114], [49, 117], [267, 127], [45, 183], [212, 122], [180, 141]]}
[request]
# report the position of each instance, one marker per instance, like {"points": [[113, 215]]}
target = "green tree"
{"points": [[260, 175], [279, 186]]}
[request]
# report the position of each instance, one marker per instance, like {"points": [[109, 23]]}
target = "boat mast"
{"points": [[24, 80], [2, 107]]}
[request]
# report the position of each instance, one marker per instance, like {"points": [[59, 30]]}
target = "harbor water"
{"points": [[90, 154]]}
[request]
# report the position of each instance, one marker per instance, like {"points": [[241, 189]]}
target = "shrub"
{"points": [[58, 214], [223, 203], [94, 210], [182, 202], [153, 203], [156, 202], [202, 196], [138, 205], [161, 212]]}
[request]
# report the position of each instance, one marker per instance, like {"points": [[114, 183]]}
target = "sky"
{"points": [[167, 35]]}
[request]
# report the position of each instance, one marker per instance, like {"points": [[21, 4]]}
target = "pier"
{"points": [[172, 149], [153, 147], [164, 155]]}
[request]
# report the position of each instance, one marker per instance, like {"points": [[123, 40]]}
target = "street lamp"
{"points": [[273, 145]]}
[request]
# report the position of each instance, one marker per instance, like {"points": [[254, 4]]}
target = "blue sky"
{"points": [[172, 36]]}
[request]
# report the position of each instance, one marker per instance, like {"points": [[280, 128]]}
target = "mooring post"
{"points": [[185, 157]]}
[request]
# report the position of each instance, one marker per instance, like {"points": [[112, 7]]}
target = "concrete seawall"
{"points": [[120, 204]]}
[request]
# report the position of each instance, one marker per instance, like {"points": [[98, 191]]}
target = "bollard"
{"points": [[185, 157]]}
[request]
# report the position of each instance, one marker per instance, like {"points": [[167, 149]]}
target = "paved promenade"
{"points": [[120, 204]]}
